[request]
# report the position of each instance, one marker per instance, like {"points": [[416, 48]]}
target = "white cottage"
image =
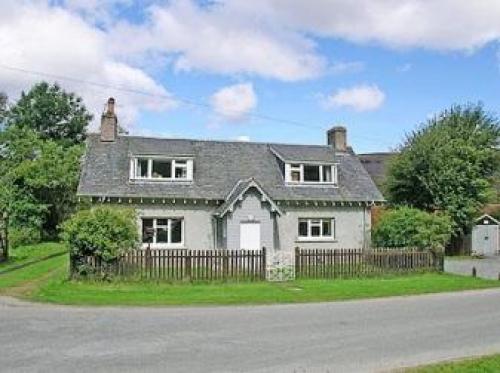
{"points": [[233, 195]]}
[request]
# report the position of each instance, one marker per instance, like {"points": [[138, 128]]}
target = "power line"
{"points": [[156, 95], [172, 99]]}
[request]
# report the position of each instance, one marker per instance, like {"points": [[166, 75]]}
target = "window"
{"points": [[142, 168], [317, 229], [295, 172], [161, 169], [310, 174], [165, 231], [158, 169]]}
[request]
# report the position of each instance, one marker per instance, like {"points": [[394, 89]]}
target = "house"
{"points": [[198, 194]]}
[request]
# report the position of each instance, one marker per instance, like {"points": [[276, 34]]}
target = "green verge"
{"points": [[483, 364], [25, 255], [60, 290], [46, 280]]}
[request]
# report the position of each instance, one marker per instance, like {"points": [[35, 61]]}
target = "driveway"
{"points": [[488, 267], [364, 336]]}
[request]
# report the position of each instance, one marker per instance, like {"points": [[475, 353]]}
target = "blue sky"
{"points": [[378, 67]]}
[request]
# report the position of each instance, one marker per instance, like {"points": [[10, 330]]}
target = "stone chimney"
{"points": [[109, 122], [337, 137]]}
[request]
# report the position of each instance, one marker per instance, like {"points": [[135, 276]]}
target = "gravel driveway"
{"points": [[353, 336], [487, 268]]}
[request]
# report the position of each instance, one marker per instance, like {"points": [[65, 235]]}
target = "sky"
{"points": [[264, 70]]}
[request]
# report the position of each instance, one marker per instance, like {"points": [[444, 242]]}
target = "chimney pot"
{"points": [[109, 122], [337, 137], [111, 105]]}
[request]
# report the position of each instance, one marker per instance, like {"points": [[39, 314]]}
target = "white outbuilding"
{"points": [[486, 236]]}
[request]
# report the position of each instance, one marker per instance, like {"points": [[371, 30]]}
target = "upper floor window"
{"points": [[310, 173], [152, 168]]}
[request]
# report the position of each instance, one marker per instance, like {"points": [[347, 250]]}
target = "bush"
{"points": [[23, 236], [410, 227], [103, 232]]}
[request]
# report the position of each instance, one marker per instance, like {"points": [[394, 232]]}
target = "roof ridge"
{"points": [[94, 134]]}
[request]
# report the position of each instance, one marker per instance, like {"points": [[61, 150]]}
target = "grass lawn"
{"points": [[483, 364], [47, 281], [59, 290], [31, 253]]}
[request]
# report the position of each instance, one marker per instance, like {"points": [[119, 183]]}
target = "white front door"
{"points": [[250, 236]]}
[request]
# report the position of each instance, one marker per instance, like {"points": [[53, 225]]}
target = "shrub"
{"points": [[104, 232], [23, 236], [411, 227]]}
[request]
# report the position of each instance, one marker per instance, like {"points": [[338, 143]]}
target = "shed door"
{"points": [[486, 239], [250, 236]]}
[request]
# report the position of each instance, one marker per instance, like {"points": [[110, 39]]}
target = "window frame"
{"points": [[169, 243], [186, 163], [299, 167], [316, 222]]}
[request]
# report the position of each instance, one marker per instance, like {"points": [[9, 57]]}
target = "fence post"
{"points": [[297, 262], [148, 261], [188, 265], [438, 259], [264, 259]]}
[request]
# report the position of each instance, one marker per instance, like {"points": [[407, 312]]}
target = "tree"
{"points": [[447, 164], [38, 180], [52, 113], [3, 107], [410, 227]]}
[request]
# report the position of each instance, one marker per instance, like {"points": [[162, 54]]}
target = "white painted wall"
{"points": [[250, 209], [352, 226], [198, 222]]}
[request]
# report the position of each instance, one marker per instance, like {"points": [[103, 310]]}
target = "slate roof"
{"points": [[376, 164], [239, 189], [218, 166], [312, 153]]}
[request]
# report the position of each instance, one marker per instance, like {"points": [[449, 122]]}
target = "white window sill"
{"points": [[163, 246], [159, 180], [315, 239], [308, 184]]}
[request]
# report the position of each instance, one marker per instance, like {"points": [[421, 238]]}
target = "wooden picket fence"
{"points": [[190, 265], [351, 263]]}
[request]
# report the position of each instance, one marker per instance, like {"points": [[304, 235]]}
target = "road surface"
{"points": [[357, 336]]}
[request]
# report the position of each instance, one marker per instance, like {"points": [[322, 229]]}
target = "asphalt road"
{"points": [[369, 335]]}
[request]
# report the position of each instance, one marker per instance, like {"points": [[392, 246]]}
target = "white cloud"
{"points": [[276, 38], [437, 24], [243, 138], [404, 68], [359, 98], [234, 102], [220, 39], [39, 38]]}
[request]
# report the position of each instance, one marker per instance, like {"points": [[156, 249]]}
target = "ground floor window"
{"points": [[317, 228], [163, 231]]}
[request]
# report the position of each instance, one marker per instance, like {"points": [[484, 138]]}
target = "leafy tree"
{"points": [[410, 227], [38, 179], [52, 113], [104, 232], [447, 164], [3, 107]]}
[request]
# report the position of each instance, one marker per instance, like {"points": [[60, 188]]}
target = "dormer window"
{"points": [[161, 169], [303, 173]]}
